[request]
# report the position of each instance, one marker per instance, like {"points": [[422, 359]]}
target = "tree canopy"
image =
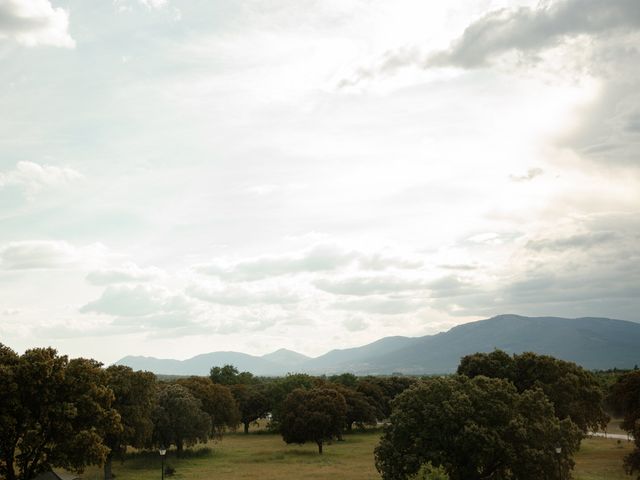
{"points": [[360, 410], [625, 398], [54, 412], [216, 400], [278, 389], [135, 398], [253, 403], [229, 375], [574, 392], [474, 429], [315, 415], [179, 419], [382, 390]]}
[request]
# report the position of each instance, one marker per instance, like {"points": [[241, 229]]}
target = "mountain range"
{"points": [[594, 343]]}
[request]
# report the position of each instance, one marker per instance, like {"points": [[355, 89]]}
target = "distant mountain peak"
{"points": [[594, 343], [286, 357]]}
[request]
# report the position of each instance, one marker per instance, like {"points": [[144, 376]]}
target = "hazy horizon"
{"points": [[180, 176]]}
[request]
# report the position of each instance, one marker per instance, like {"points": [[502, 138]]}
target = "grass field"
{"points": [[267, 457]]}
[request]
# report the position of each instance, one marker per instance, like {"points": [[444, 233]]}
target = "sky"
{"points": [[186, 176]]}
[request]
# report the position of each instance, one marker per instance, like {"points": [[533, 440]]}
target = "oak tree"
{"points": [[278, 390], [475, 429], [253, 403], [54, 412], [574, 392], [229, 375], [135, 398], [360, 411], [178, 418], [216, 400], [625, 398], [314, 415]]}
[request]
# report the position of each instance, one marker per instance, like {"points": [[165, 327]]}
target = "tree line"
{"points": [[499, 417], [71, 413]]}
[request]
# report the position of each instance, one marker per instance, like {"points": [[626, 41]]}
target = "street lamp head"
{"points": [[558, 450], [162, 451]]}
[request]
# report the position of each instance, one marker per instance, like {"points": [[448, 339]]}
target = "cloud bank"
{"points": [[33, 177], [35, 23]]}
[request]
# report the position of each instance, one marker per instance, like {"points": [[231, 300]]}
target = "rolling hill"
{"points": [[594, 343]]}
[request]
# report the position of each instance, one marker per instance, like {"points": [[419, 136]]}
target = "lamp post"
{"points": [[558, 452], [162, 452]]}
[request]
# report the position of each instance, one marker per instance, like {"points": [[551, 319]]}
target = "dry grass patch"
{"points": [[601, 459]]}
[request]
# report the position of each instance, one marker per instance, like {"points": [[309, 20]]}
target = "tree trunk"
{"points": [[179, 448], [8, 459], [246, 427], [107, 468], [319, 447]]}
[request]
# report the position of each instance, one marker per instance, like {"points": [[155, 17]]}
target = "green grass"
{"points": [[601, 459], [267, 457]]}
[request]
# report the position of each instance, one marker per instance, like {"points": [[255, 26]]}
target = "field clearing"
{"points": [[601, 459], [267, 457]]}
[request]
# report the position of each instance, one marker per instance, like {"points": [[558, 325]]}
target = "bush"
{"points": [[429, 472]]}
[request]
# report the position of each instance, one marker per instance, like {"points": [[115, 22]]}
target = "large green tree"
{"points": [[229, 375], [315, 415], [278, 390], [253, 403], [216, 400], [360, 410], [376, 397], [625, 398], [388, 387], [574, 392], [54, 412], [135, 399], [475, 429], [179, 419]]}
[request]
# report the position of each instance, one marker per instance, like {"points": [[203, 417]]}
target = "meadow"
{"points": [[266, 457]]}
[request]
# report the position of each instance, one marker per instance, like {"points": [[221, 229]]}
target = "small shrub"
{"points": [[169, 470], [429, 472]]}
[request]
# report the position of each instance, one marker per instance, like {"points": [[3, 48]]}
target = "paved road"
{"points": [[617, 436]]}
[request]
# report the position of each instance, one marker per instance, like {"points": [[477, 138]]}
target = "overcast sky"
{"points": [[184, 176]]}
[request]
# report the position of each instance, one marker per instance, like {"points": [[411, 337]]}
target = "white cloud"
{"points": [[362, 286], [137, 301], [154, 3], [240, 296], [381, 305], [522, 29], [383, 261], [489, 238], [319, 258], [127, 273], [528, 29], [48, 254], [355, 324], [34, 22], [580, 241], [127, 5], [316, 259], [530, 175], [33, 177]]}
